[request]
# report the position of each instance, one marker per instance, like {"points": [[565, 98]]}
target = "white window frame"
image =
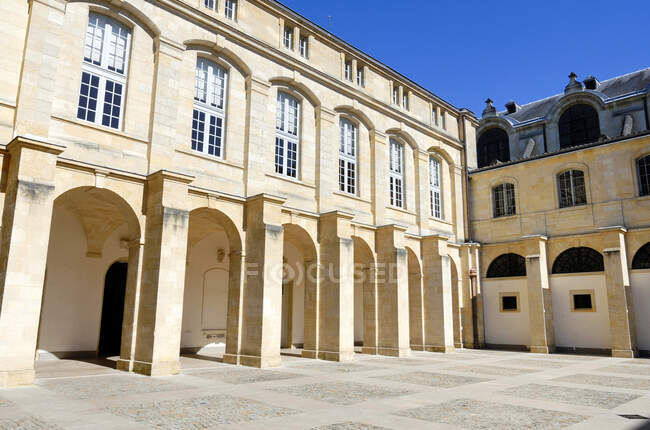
{"points": [[405, 100], [287, 37], [361, 77], [443, 119], [303, 46], [287, 133], [435, 186], [230, 9], [396, 96], [501, 192], [396, 174], [348, 150], [210, 4], [573, 188], [96, 68], [210, 101], [347, 70]]}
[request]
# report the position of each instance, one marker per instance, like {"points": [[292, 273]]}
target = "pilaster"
{"points": [[379, 163], [259, 135], [540, 309], [328, 150], [438, 301], [471, 304]]}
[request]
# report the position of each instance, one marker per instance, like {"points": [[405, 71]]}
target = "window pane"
{"points": [[112, 104], [88, 97], [201, 82], [279, 155], [214, 136], [231, 9], [94, 39], [198, 130], [351, 176], [117, 45], [644, 175], [341, 175], [292, 159]]}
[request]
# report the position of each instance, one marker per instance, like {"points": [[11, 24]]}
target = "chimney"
{"points": [[512, 107], [591, 83]]}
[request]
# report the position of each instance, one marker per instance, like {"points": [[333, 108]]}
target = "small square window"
{"points": [[582, 301], [509, 302]]}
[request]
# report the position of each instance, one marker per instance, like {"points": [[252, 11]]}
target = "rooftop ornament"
{"points": [[574, 85], [489, 110]]}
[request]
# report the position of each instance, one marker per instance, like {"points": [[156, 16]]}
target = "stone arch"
{"points": [[507, 265], [403, 137], [124, 12], [580, 259], [641, 258], [356, 113], [217, 52], [293, 85], [365, 295], [484, 149], [590, 98]]}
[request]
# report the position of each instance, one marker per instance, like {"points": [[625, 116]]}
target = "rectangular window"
{"points": [[582, 301], [209, 108], [571, 188], [348, 71], [434, 185], [287, 128], [509, 302], [434, 117], [405, 100], [361, 77], [395, 96], [504, 200], [644, 175], [443, 120], [230, 9], [288, 38], [396, 174], [347, 157], [304, 46], [211, 4]]}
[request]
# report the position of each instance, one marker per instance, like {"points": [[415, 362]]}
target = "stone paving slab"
{"points": [[342, 393], [571, 396], [111, 385], [491, 370], [5, 403], [440, 380], [239, 375], [409, 361], [629, 369], [534, 363], [331, 366], [607, 381], [478, 414], [26, 423], [349, 426], [200, 412]]}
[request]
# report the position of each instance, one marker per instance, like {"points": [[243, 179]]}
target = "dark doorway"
{"points": [[110, 335]]}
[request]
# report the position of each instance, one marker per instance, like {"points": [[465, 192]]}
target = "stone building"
{"points": [[560, 202], [184, 174]]}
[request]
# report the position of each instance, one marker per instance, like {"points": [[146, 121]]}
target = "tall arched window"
{"points": [[493, 145], [641, 259], [209, 116], [643, 167], [578, 125], [435, 188], [571, 188], [396, 174], [507, 265], [287, 135], [104, 71], [579, 260], [503, 200], [348, 157]]}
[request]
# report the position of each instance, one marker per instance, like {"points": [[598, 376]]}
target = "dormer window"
{"points": [[288, 38], [396, 96], [210, 4], [231, 9], [405, 100], [361, 76], [303, 46], [348, 70]]}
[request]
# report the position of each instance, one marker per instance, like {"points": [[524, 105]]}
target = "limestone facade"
{"points": [[231, 235]]}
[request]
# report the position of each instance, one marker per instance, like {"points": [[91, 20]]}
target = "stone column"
{"points": [[469, 318], [336, 288], [438, 306], [392, 292], [234, 318], [370, 311], [619, 296], [26, 220], [416, 311], [38, 73], [540, 310], [160, 307], [477, 301], [311, 327], [254, 317], [131, 305]]}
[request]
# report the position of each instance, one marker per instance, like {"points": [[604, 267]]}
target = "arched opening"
{"points": [[416, 301], [493, 146], [213, 241], [641, 259], [578, 125], [110, 335], [364, 294], [83, 299], [299, 254], [578, 260], [456, 299], [507, 266]]}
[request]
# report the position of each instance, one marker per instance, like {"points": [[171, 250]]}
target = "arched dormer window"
{"points": [[348, 157], [209, 116], [503, 200], [571, 188], [396, 173], [643, 170], [104, 71], [287, 135], [579, 260], [493, 145], [578, 125], [507, 265]]}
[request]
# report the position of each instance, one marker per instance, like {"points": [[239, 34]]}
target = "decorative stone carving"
{"points": [[574, 85]]}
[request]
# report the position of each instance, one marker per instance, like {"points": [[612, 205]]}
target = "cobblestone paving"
{"points": [[342, 393], [349, 426], [607, 381], [478, 414], [491, 370], [440, 380], [571, 396], [240, 375], [632, 370], [108, 386], [26, 423], [200, 412]]}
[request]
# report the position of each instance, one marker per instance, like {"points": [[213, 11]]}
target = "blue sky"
{"points": [[466, 51]]}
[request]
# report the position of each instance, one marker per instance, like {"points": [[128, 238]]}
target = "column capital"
{"points": [[392, 227], [168, 175], [266, 198], [338, 215], [20, 142]]}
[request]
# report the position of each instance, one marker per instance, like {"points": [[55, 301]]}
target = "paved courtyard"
{"points": [[467, 389]]}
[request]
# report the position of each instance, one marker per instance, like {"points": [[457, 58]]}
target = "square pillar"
{"points": [[160, 303], [392, 292], [540, 309], [255, 302], [619, 295], [438, 304], [379, 165], [336, 289], [26, 223], [131, 305], [312, 271]]}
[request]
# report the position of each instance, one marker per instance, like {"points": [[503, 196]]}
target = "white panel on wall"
{"points": [[505, 328], [640, 283], [215, 299], [580, 329]]}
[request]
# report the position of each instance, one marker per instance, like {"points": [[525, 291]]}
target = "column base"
{"points": [[343, 357], [124, 365], [542, 349], [157, 369], [371, 350], [252, 360], [16, 378], [625, 353], [394, 352], [434, 348]]}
